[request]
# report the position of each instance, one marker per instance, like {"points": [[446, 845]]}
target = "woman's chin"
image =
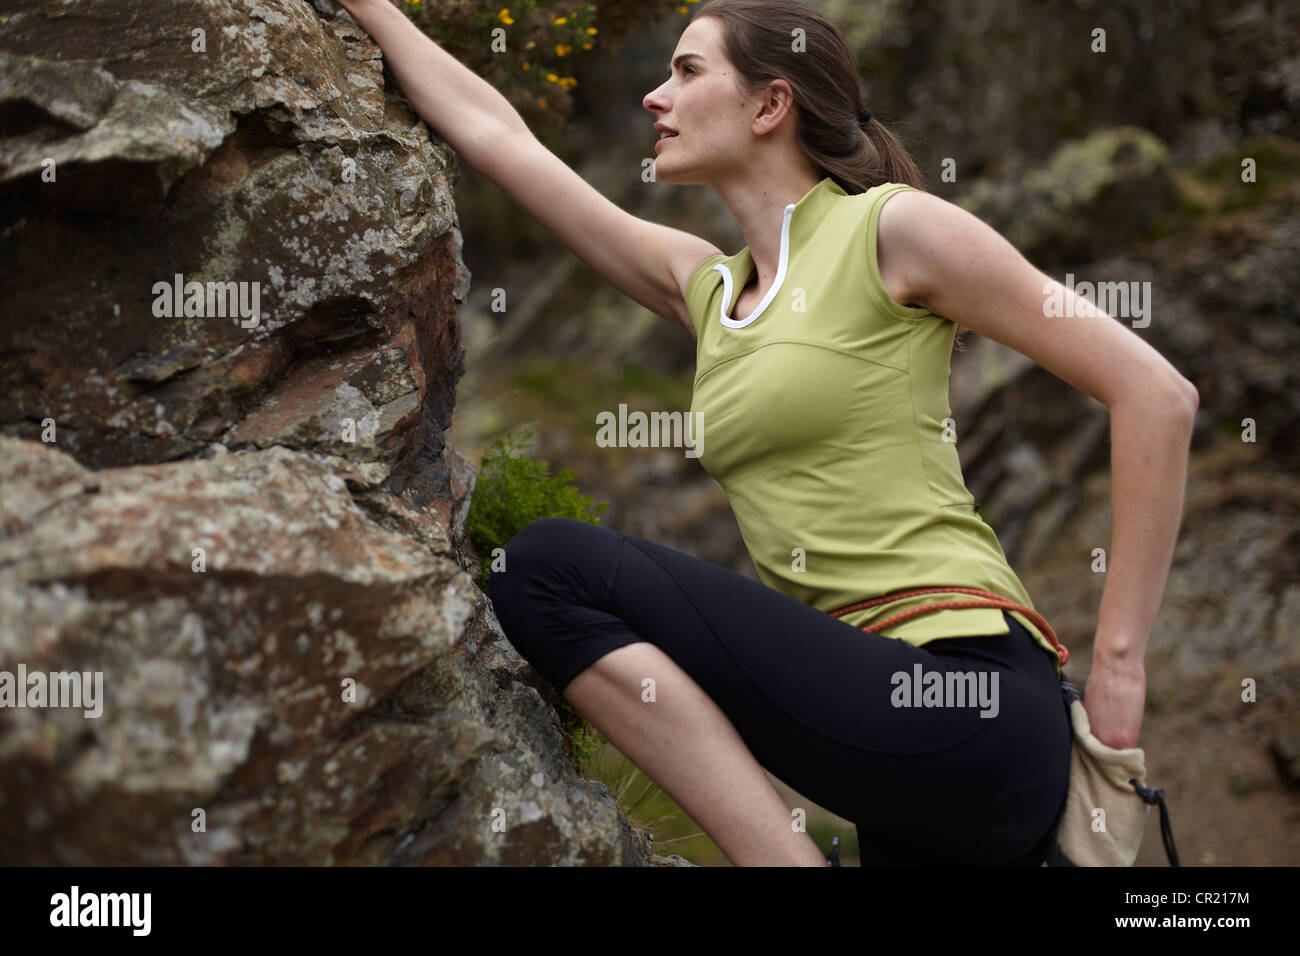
{"points": [[665, 172]]}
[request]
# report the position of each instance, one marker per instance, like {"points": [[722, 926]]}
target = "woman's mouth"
{"points": [[664, 138]]}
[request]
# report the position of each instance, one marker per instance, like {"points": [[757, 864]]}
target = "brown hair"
{"points": [[757, 37]]}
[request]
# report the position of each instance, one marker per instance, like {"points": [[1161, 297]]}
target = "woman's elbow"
{"points": [[1179, 401], [1191, 398], [1166, 394]]}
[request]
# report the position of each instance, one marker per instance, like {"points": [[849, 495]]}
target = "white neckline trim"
{"points": [[776, 284]]}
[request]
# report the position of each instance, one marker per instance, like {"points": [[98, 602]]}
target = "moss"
{"points": [[1216, 187], [1081, 169], [1277, 160], [585, 740]]}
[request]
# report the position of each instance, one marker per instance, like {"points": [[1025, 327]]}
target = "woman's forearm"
{"points": [[1149, 448], [460, 106]]}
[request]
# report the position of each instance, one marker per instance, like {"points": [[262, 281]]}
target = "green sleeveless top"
{"points": [[821, 415]]}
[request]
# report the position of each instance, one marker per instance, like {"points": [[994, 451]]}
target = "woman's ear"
{"points": [[775, 102]]}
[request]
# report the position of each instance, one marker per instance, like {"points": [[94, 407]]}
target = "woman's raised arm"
{"points": [[648, 262], [466, 110]]}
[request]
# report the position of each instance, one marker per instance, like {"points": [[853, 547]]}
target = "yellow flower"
{"points": [[560, 21], [682, 11], [586, 46], [524, 65], [561, 49], [591, 30], [551, 78]]}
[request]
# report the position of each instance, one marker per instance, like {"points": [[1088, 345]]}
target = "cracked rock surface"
{"points": [[228, 360]]}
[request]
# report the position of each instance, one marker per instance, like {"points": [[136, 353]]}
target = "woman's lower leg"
{"points": [[685, 743]]}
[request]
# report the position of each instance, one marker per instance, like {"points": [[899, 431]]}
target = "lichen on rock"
{"points": [[248, 525]]}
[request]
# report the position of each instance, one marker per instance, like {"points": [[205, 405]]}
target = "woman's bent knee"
{"points": [[566, 553], [523, 549], [551, 592]]}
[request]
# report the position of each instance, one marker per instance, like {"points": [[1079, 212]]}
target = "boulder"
{"points": [[228, 363]]}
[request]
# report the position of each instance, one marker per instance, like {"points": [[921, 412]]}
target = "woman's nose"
{"points": [[652, 100]]}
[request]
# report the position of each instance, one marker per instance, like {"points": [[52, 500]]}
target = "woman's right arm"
{"points": [[648, 262]]}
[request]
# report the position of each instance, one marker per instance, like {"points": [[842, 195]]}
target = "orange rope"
{"points": [[987, 599]]}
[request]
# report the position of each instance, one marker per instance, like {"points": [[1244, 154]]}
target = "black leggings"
{"points": [[812, 696]]}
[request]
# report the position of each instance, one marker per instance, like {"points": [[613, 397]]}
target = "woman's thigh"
{"points": [[829, 709]]}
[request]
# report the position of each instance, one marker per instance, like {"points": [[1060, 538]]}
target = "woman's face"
{"points": [[703, 104]]}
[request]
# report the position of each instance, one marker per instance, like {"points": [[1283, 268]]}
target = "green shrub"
{"points": [[514, 490]]}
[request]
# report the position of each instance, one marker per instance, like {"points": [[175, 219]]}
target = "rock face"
{"points": [[229, 359], [1091, 196], [273, 159]]}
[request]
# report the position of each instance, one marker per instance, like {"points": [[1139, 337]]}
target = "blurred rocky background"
{"points": [[1122, 166], [256, 531]]}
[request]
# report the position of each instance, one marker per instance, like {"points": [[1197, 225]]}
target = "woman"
{"points": [[821, 383]]}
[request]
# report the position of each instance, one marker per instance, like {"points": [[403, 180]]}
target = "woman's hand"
{"points": [[1114, 699]]}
